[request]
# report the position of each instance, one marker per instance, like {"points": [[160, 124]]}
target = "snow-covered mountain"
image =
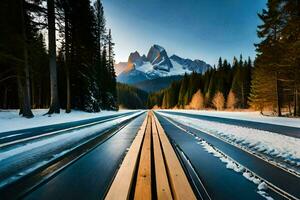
{"points": [[156, 64]]}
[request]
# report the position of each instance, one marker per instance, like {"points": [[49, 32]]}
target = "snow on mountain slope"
{"points": [[158, 64], [147, 67], [198, 66], [178, 69]]}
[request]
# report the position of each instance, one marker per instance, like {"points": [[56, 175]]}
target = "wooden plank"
{"points": [[121, 186], [162, 183], [143, 183], [180, 185]]}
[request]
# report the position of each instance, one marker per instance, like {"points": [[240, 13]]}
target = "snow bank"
{"points": [[249, 116], [15, 162], [10, 119], [283, 150], [233, 165]]}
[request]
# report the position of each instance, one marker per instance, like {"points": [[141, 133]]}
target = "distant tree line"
{"points": [[131, 97], [74, 70], [276, 80], [227, 85]]}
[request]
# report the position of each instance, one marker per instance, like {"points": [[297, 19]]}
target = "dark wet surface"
{"points": [[23, 133], [275, 175], [91, 175], [284, 130], [280, 178], [220, 182]]}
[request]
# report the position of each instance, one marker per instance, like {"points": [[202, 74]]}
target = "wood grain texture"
{"points": [[143, 188], [180, 185], [162, 184], [171, 181], [121, 186]]}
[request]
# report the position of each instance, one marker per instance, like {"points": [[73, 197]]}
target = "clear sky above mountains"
{"points": [[203, 29]]}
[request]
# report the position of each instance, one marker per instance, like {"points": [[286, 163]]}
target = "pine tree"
{"points": [[105, 79], [267, 91], [111, 71], [173, 94], [183, 91], [54, 102], [65, 7], [290, 40], [194, 85], [26, 108], [211, 88], [100, 26], [247, 81], [238, 83], [83, 54], [100, 61], [220, 63], [235, 64]]}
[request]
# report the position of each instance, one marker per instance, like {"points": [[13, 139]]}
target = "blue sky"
{"points": [[202, 29]]}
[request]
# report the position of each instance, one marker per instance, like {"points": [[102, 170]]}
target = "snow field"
{"points": [[246, 115], [279, 149], [231, 164], [10, 119], [32, 155]]}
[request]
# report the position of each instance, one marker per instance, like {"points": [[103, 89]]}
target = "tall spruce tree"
{"points": [[266, 91], [291, 61], [26, 108], [111, 70], [54, 101], [183, 91]]}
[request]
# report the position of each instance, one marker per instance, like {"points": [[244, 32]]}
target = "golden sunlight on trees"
{"points": [[218, 101], [197, 101], [231, 100]]}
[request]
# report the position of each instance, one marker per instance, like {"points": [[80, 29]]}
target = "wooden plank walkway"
{"points": [[162, 183], [121, 186], [180, 186], [143, 179], [151, 169]]}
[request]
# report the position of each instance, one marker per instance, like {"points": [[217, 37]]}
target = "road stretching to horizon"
{"points": [[80, 160]]}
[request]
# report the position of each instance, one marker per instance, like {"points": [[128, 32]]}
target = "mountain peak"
{"points": [[160, 48], [134, 59], [158, 57], [158, 64], [134, 56]]}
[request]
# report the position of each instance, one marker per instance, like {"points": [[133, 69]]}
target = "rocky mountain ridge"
{"points": [[157, 64]]}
